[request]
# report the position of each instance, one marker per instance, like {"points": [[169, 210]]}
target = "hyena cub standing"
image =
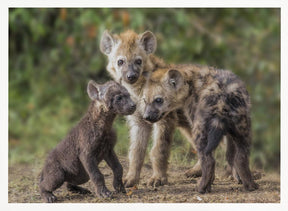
{"points": [[131, 60], [217, 104], [75, 159]]}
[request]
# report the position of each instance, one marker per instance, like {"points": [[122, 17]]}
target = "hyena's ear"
{"points": [[148, 42], [107, 42], [93, 90], [175, 79]]}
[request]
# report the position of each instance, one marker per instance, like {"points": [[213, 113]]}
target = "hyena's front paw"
{"points": [[193, 173], [49, 197], [103, 192], [251, 186], [157, 181], [130, 182], [119, 187], [201, 188]]}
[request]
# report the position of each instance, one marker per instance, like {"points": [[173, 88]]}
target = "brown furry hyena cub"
{"points": [[130, 61], [217, 104], [75, 159]]}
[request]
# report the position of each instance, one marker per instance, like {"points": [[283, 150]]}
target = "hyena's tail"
{"points": [[214, 137]]}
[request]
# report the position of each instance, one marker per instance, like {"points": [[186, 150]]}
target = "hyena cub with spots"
{"points": [[75, 159], [130, 61], [217, 104]]}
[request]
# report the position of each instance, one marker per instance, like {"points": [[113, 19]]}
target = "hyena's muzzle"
{"points": [[128, 108], [152, 114], [131, 74]]}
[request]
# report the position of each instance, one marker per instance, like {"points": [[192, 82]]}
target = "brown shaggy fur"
{"points": [[76, 157]]}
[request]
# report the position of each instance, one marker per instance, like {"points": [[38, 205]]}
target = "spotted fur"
{"points": [[216, 104]]}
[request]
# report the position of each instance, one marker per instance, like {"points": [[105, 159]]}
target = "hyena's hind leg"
{"points": [[241, 163], [208, 172], [230, 156], [51, 179], [240, 131], [208, 139]]}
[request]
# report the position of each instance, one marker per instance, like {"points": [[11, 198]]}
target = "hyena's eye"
{"points": [[138, 61], [118, 98], [159, 100], [120, 62]]}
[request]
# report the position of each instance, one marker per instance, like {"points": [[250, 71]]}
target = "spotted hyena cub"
{"points": [[76, 157], [217, 104], [130, 60]]}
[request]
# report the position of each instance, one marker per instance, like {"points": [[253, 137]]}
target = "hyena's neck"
{"points": [[99, 116]]}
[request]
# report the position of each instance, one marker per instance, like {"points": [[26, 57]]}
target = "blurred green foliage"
{"points": [[54, 52]]}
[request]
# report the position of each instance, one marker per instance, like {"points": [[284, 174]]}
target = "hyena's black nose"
{"points": [[133, 106], [132, 77]]}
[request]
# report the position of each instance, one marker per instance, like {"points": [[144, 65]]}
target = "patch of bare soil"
{"points": [[24, 179]]}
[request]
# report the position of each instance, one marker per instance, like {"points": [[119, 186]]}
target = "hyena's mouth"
{"points": [[152, 120], [131, 110]]}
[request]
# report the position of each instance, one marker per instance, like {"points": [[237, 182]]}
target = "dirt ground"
{"points": [[23, 188]]}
